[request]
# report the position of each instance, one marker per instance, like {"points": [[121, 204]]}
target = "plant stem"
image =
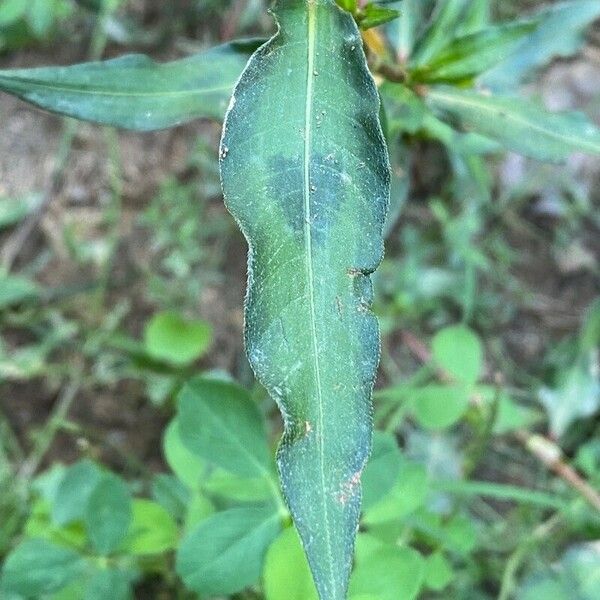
{"points": [[113, 212], [548, 453], [19, 239], [9, 440], [393, 72], [515, 560], [544, 449], [480, 443], [53, 424], [16, 243]]}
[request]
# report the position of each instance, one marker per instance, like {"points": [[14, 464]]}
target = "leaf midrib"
{"points": [[94, 92], [308, 116], [516, 119]]}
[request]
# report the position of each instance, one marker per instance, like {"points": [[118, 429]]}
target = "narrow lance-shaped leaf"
{"points": [[475, 18], [474, 53], [442, 27], [373, 15], [404, 31], [561, 33], [305, 173], [519, 125], [134, 92]]}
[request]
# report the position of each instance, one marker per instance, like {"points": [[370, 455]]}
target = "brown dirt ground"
{"points": [[29, 139]]}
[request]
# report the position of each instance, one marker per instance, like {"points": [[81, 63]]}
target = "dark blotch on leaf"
{"points": [[327, 189]]}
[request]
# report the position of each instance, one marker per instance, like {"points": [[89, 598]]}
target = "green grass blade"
{"points": [[305, 173], [134, 92]]}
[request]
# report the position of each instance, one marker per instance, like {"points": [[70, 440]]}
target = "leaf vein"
{"points": [[308, 116]]}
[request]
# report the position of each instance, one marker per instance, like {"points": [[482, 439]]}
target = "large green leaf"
{"points": [[305, 173], [133, 91], [519, 125]]}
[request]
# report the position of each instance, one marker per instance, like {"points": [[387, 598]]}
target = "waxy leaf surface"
{"points": [[305, 173], [134, 92]]}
